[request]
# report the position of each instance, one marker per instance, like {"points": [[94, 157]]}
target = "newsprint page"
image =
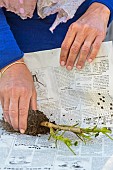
{"points": [[66, 97]]}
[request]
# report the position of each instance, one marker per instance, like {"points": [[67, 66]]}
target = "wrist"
{"points": [[20, 60], [103, 8], [100, 10]]}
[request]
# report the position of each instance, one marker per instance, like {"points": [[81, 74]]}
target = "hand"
{"points": [[84, 37], [17, 94]]}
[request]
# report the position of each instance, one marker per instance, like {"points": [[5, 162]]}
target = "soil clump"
{"points": [[33, 124]]}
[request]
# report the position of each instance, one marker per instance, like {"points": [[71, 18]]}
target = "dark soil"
{"points": [[34, 120]]}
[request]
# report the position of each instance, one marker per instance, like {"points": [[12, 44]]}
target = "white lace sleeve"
{"points": [[66, 9]]}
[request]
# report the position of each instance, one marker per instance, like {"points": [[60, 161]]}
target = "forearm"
{"points": [[9, 50]]}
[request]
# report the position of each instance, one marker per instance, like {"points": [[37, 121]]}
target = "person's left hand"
{"points": [[84, 37]]}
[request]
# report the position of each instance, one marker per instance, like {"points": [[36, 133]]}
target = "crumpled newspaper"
{"points": [[66, 10]]}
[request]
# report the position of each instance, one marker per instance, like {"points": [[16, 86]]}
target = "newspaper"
{"points": [[66, 97]]}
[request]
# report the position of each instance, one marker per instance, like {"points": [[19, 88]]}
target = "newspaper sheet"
{"points": [[66, 97]]}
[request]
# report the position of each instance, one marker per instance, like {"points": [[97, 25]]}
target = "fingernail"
{"points": [[90, 60], [16, 130], [69, 68], [62, 63], [22, 131], [79, 67]]}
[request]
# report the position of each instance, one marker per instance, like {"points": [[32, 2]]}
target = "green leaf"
{"points": [[97, 134], [76, 143]]}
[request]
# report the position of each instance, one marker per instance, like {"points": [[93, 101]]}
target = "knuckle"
{"points": [[96, 46], [11, 86], [70, 62], [90, 29], [12, 89], [92, 55], [62, 58], [72, 26], [25, 91], [75, 25], [13, 114], [6, 111], [86, 27], [85, 49], [81, 62], [75, 48], [65, 46], [101, 33], [15, 89], [4, 89], [23, 111]]}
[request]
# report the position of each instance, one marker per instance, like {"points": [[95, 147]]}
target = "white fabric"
{"points": [[66, 9]]}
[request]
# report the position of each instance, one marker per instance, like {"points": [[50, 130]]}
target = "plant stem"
{"points": [[76, 130], [60, 127]]}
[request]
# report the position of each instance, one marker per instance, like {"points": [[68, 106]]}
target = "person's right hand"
{"points": [[17, 94]]}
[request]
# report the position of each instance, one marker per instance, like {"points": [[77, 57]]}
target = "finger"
{"points": [[74, 50], [66, 45], [34, 101], [13, 112], [95, 48], [23, 113], [84, 52], [6, 109]]}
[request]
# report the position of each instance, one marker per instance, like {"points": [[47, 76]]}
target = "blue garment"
{"points": [[19, 36], [9, 50]]}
